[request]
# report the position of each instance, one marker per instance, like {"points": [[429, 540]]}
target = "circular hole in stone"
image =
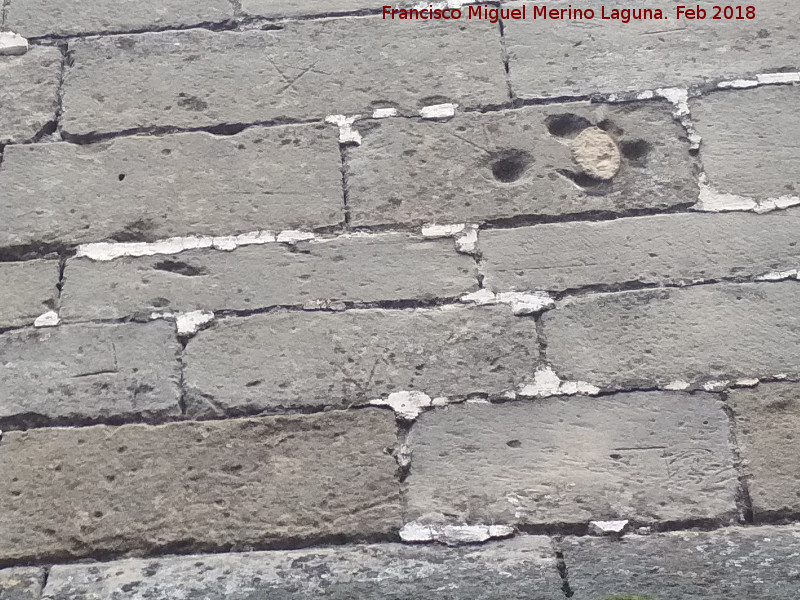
{"points": [[513, 443], [566, 125], [508, 166], [635, 149], [121, 176]]}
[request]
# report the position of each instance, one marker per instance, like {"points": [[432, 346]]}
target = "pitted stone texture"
{"points": [[390, 267], [146, 188], [28, 94], [750, 140], [478, 167], [27, 289], [34, 18], [661, 249], [550, 58], [517, 569], [651, 338], [90, 372], [767, 422], [757, 562], [23, 583], [641, 456], [216, 485], [296, 359], [305, 70]]}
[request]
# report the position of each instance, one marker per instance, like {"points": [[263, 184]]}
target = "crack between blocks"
{"points": [[506, 59], [345, 186], [563, 573], [743, 501]]}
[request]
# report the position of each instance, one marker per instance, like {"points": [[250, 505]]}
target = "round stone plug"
{"points": [[596, 153]]}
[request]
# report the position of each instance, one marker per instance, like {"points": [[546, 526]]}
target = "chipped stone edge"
{"points": [[453, 535], [712, 200]]}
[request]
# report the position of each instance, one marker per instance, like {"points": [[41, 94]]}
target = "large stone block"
{"points": [[757, 562], [306, 359], [646, 457], [27, 289], [28, 95], [750, 140], [480, 167], [297, 70], [22, 583], [34, 18], [90, 372], [635, 340], [581, 57], [671, 249], [197, 486], [390, 267], [767, 424], [149, 188], [517, 569]]}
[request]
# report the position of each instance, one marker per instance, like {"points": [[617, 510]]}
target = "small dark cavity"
{"points": [[566, 125], [610, 127], [181, 268], [513, 443], [121, 176], [635, 149], [138, 231], [254, 383], [509, 165], [585, 181]]}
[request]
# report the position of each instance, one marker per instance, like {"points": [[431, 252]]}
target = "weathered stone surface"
{"points": [[553, 58], [390, 267], [88, 372], [145, 188], [27, 289], [281, 360], [477, 167], [654, 337], [23, 583], [643, 456], [223, 484], [750, 140], [305, 69], [34, 18], [767, 422], [758, 562], [661, 249], [28, 100], [283, 8], [517, 569]]}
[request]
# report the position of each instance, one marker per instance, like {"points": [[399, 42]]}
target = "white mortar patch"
{"points": [[12, 44], [347, 135], [677, 386], [547, 383], [467, 240], [438, 111], [187, 323], [432, 230], [521, 303], [453, 535], [779, 275], [384, 113], [711, 200], [48, 319], [607, 527], [409, 405]]}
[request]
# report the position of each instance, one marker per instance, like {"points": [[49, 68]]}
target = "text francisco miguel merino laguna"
{"points": [[539, 11]]}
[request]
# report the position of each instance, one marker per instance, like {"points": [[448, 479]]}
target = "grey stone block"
{"points": [[767, 422], [146, 188], [34, 18], [27, 289], [757, 562], [28, 96], [90, 372], [750, 140], [22, 583], [670, 249], [643, 457], [304, 70], [568, 57], [197, 486], [652, 338], [295, 359], [517, 569], [479, 167], [391, 267], [287, 8]]}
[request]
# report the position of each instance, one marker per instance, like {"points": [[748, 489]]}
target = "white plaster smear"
{"points": [[607, 527], [384, 113], [12, 44], [546, 383], [780, 275], [438, 111], [188, 323], [712, 200], [432, 230], [409, 405], [453, 535], [467, 240], [521, 303], [48, 319], [762, 79], [347, 135]]}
